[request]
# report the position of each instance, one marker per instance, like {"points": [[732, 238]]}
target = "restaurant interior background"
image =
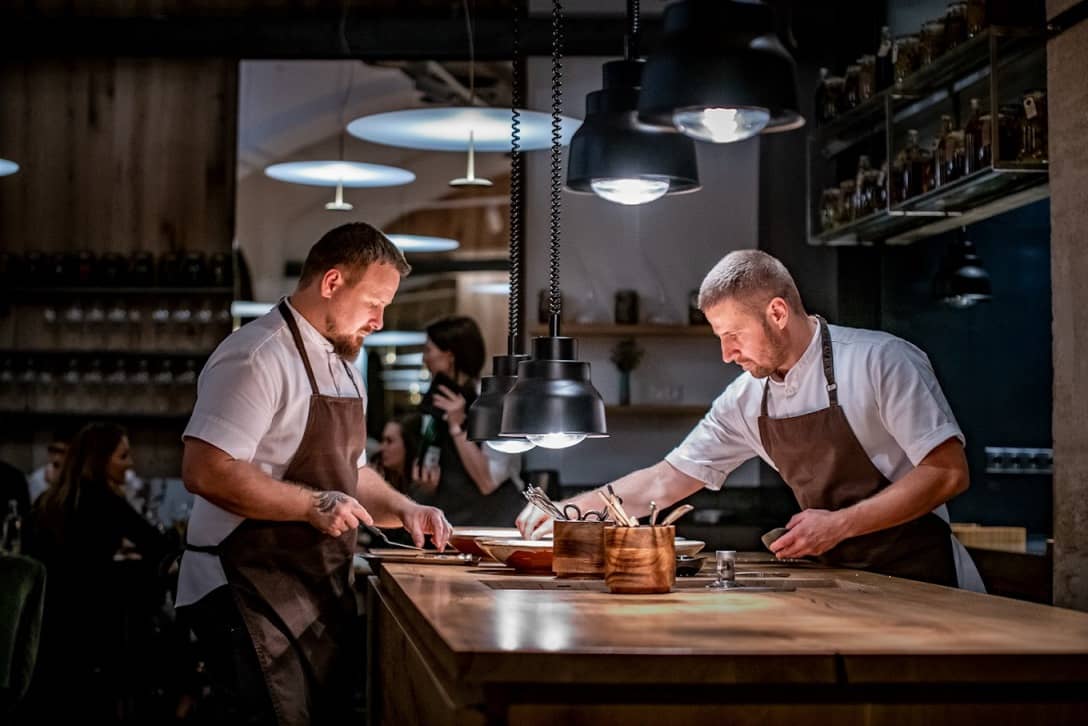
{"points": [[158, 146]]}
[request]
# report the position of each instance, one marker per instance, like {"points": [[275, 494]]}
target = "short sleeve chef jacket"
{"points": [[253, 401]]}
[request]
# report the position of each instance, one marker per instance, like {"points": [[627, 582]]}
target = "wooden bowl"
{"points": [[690, 547], [524, 555], [639, 560], [464, 539], [579, 549]]}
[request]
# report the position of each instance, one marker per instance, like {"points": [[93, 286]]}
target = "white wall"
{"points": [[662, 250]]}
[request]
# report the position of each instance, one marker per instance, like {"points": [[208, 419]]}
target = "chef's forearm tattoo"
{"points": [[325, 502]]}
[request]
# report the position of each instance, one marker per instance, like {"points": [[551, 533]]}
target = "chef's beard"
{"points": [[347, 346], [777, 351]]}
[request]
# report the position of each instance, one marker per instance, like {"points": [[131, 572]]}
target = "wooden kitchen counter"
{"points": [[485, 645]]}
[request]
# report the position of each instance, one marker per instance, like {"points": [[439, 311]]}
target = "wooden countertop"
{"points": [[488, 624]]}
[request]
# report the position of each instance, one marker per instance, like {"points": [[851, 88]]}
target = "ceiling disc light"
{"points": [[616, 157], [721, 74], [352, 174], [7, 168], [393, 338], [962, 281], [554, 404], [423, 243], [447, 129]]}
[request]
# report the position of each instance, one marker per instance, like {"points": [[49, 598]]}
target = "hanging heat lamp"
{"points": [[484, 421], [962, 281], [721, 74], [613, 155], [553, 404]]}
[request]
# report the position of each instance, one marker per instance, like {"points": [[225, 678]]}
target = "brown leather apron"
{"points": [[293, 583], [825, 465]]}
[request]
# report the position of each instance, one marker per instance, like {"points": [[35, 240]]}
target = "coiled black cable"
{"points": [[555, 298], [516, 173]]}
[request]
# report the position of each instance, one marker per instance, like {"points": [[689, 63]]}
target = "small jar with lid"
{"points": [[1008, 135], [863, 192], [932, 40], [851, 90], [866, 77], [906, 57], [834, 103], [1033, 146], [955, 24], [830, 202]]}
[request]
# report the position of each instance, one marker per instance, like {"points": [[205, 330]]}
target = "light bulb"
{"points": [[630, 191], [556, 441], [721, 125], [511, 446]]}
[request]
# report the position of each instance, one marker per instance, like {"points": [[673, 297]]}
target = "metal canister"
{"points": [[626, 311]]}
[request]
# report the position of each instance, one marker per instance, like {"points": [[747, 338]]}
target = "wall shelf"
{"points": [[610, 330], [997, 65]]}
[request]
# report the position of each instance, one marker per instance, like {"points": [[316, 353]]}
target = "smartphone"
{"points": [[427, 404], [431, 457]]}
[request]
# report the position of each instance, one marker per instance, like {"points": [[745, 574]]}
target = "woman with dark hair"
{"points": [[399, 448], [103, 563], [466, 488]]}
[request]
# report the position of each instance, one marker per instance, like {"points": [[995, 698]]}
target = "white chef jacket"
{"points": [[888, 392], [253, 400]]}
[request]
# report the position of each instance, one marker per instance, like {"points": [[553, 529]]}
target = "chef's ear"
{"points": [[778, 312], [332, 280]]}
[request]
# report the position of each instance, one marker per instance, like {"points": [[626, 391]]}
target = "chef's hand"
{"points": [[420, 521], [426, 478], [534, 523], [335, 513], [453, 404], [811, 532]]}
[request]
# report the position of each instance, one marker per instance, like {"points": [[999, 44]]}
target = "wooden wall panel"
{"points": [[118, 154]]}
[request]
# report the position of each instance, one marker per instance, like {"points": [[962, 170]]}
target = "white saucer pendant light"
{"points": [[339, 174]]}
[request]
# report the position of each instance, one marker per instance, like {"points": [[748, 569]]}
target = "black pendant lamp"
{"points": [[962, 281], [721, 73], [484, 419], [554, 404], [615, 156]]}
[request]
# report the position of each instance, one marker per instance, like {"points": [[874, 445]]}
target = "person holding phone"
{"points": [[453, 473]]}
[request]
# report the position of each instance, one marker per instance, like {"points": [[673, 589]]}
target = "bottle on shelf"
{"points": [[885, 63], [863, 191], [867, 87], [820, 96], [943, 153], [972, 139]]}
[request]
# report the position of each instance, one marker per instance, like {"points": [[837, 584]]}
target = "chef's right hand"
{"points": [[335, 513], [533, 522]]}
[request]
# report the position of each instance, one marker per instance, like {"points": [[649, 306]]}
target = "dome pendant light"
{"points": [[962, 281], [614, 156], [484, 420], [721, 74], [554, 404]]}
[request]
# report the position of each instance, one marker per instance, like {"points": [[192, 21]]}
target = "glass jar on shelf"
{"points": [[834, 92], [94, 383], [942, 153], [818, 98], [140, 391], [866, 77], [1034, 133], [972, 139], [115, 388], [830, 202], [851, 88], [162, 400], [48, 395], [863, 193], [185, 388], [28, 382], [880, 188], [847, 202], [976, 17], [906, 56], [932, 41], [955, 24], [10, 396]]}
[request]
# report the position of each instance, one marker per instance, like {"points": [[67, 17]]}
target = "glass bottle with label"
{"points": [[932, 41], [955, 24], [1034, 144], [906, 56], [972, 138], [866, 77]]}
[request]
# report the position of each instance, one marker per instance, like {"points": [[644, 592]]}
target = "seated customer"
{"points": [[47, 475], [98, 610], [396, 457]]}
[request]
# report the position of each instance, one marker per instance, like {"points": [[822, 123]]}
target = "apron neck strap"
{"points": [[293, 327], [829, 369]]}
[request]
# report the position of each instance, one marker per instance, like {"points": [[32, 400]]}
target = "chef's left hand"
{"points": [[453, 403], [420, 521], [811, 532]]}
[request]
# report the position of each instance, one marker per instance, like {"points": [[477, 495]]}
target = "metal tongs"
{"points": [[541, 501], [375, 531]]}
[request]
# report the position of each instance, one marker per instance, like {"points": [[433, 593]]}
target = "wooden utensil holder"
{"points": [[578, 549], [639, 560]]}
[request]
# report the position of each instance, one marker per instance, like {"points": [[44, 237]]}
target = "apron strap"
{"points": [[293, 326], [829, 370], [829, 362]]}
